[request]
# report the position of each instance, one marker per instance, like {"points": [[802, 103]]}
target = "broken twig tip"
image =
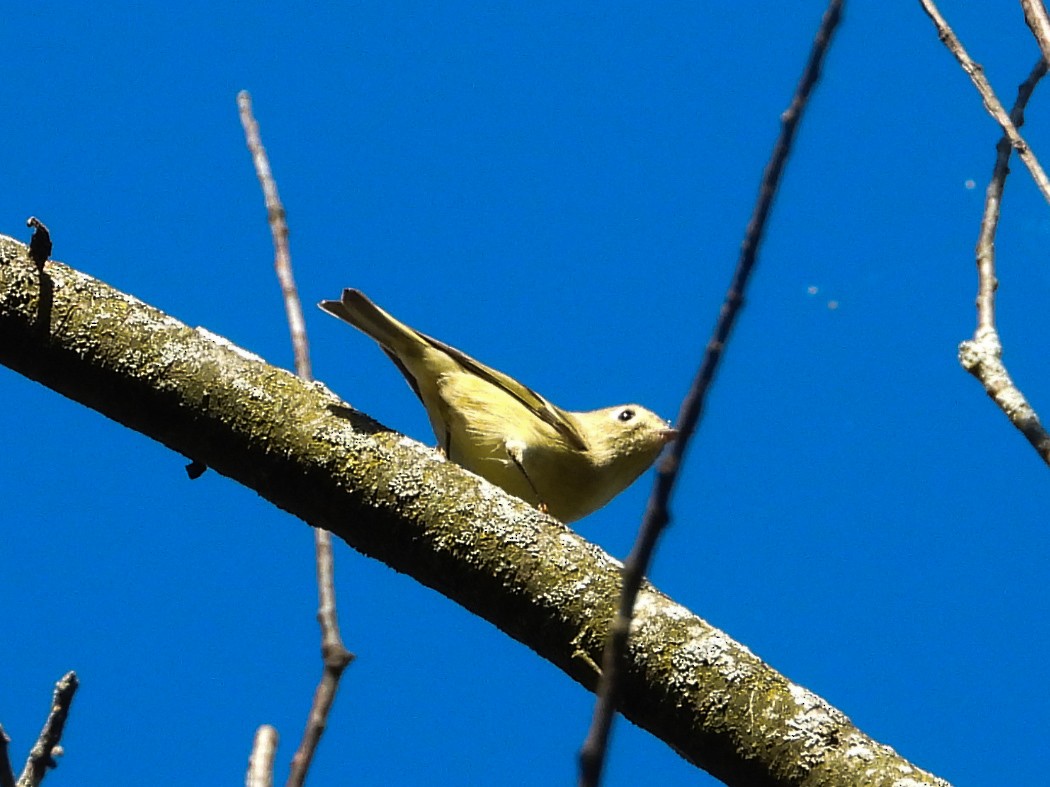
{"points": [[40, 243]]}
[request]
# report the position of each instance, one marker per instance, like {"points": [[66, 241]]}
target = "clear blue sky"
{"points": [[561, 193]]}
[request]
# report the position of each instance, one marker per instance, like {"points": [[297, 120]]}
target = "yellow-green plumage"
{"points": [[570, 463]]}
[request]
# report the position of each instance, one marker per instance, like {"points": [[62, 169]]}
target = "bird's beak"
{"points": [[668, 435]]}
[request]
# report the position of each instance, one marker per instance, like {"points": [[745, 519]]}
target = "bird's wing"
{"points": [[398, 339], [532, 401]]}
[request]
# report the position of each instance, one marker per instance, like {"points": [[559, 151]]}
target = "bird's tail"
{"points": [[394, 336]]}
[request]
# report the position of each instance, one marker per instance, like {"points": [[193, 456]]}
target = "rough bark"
{"points": [[306, 451]]}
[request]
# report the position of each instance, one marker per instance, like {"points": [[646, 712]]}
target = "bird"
{"points": [[567, 464]]}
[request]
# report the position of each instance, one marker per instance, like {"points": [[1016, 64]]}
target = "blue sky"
{"points": [[562, 194]]}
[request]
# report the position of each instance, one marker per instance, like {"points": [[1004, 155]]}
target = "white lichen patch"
{"points": [[248, 387], [424, 451], [327, 393], [136, 311], [814, 718], [222, 341], [406, 485], [709, 647], [861, 750], [334, 432], [573, 544], [810, 704], [503, 506], [578, 589], [646, 605]]}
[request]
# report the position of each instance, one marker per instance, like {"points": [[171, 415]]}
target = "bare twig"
{"points": [[334, 654], [42, 755], [282, 261], [7, 776], [982, 355], [336, 659], [593, 752], [991, 102], [987, 282], [1036, 18], [260, 764]]}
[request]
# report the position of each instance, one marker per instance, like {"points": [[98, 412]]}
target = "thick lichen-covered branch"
{"points": [[302, 448]]}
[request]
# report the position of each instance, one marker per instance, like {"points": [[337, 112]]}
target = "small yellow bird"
{"points": [[568, 464]]}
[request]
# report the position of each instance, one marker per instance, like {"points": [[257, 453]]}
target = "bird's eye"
{"points": [[625, 414]]}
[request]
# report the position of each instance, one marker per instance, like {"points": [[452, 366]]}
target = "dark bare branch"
{"points": [[7, 775], [657, 516]]}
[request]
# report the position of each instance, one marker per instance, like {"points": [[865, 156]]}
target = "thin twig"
{"points": [[982, 355], [336, 659], [991, 102], [282, 260], [260, 764], [334, 654], [7, 775], [1036, 18], [987, 282], [42, 755], [593, 752]]}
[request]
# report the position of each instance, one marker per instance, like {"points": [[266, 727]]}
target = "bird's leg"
{"points": [[515, 451]]}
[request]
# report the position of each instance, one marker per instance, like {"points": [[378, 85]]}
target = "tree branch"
{"points": [[392, 499], [264, 752], [657, 512], [276, 218], [991, 101], [982, 356], [1038, 22], [7, 775], [42, 755], [335, 657]]}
